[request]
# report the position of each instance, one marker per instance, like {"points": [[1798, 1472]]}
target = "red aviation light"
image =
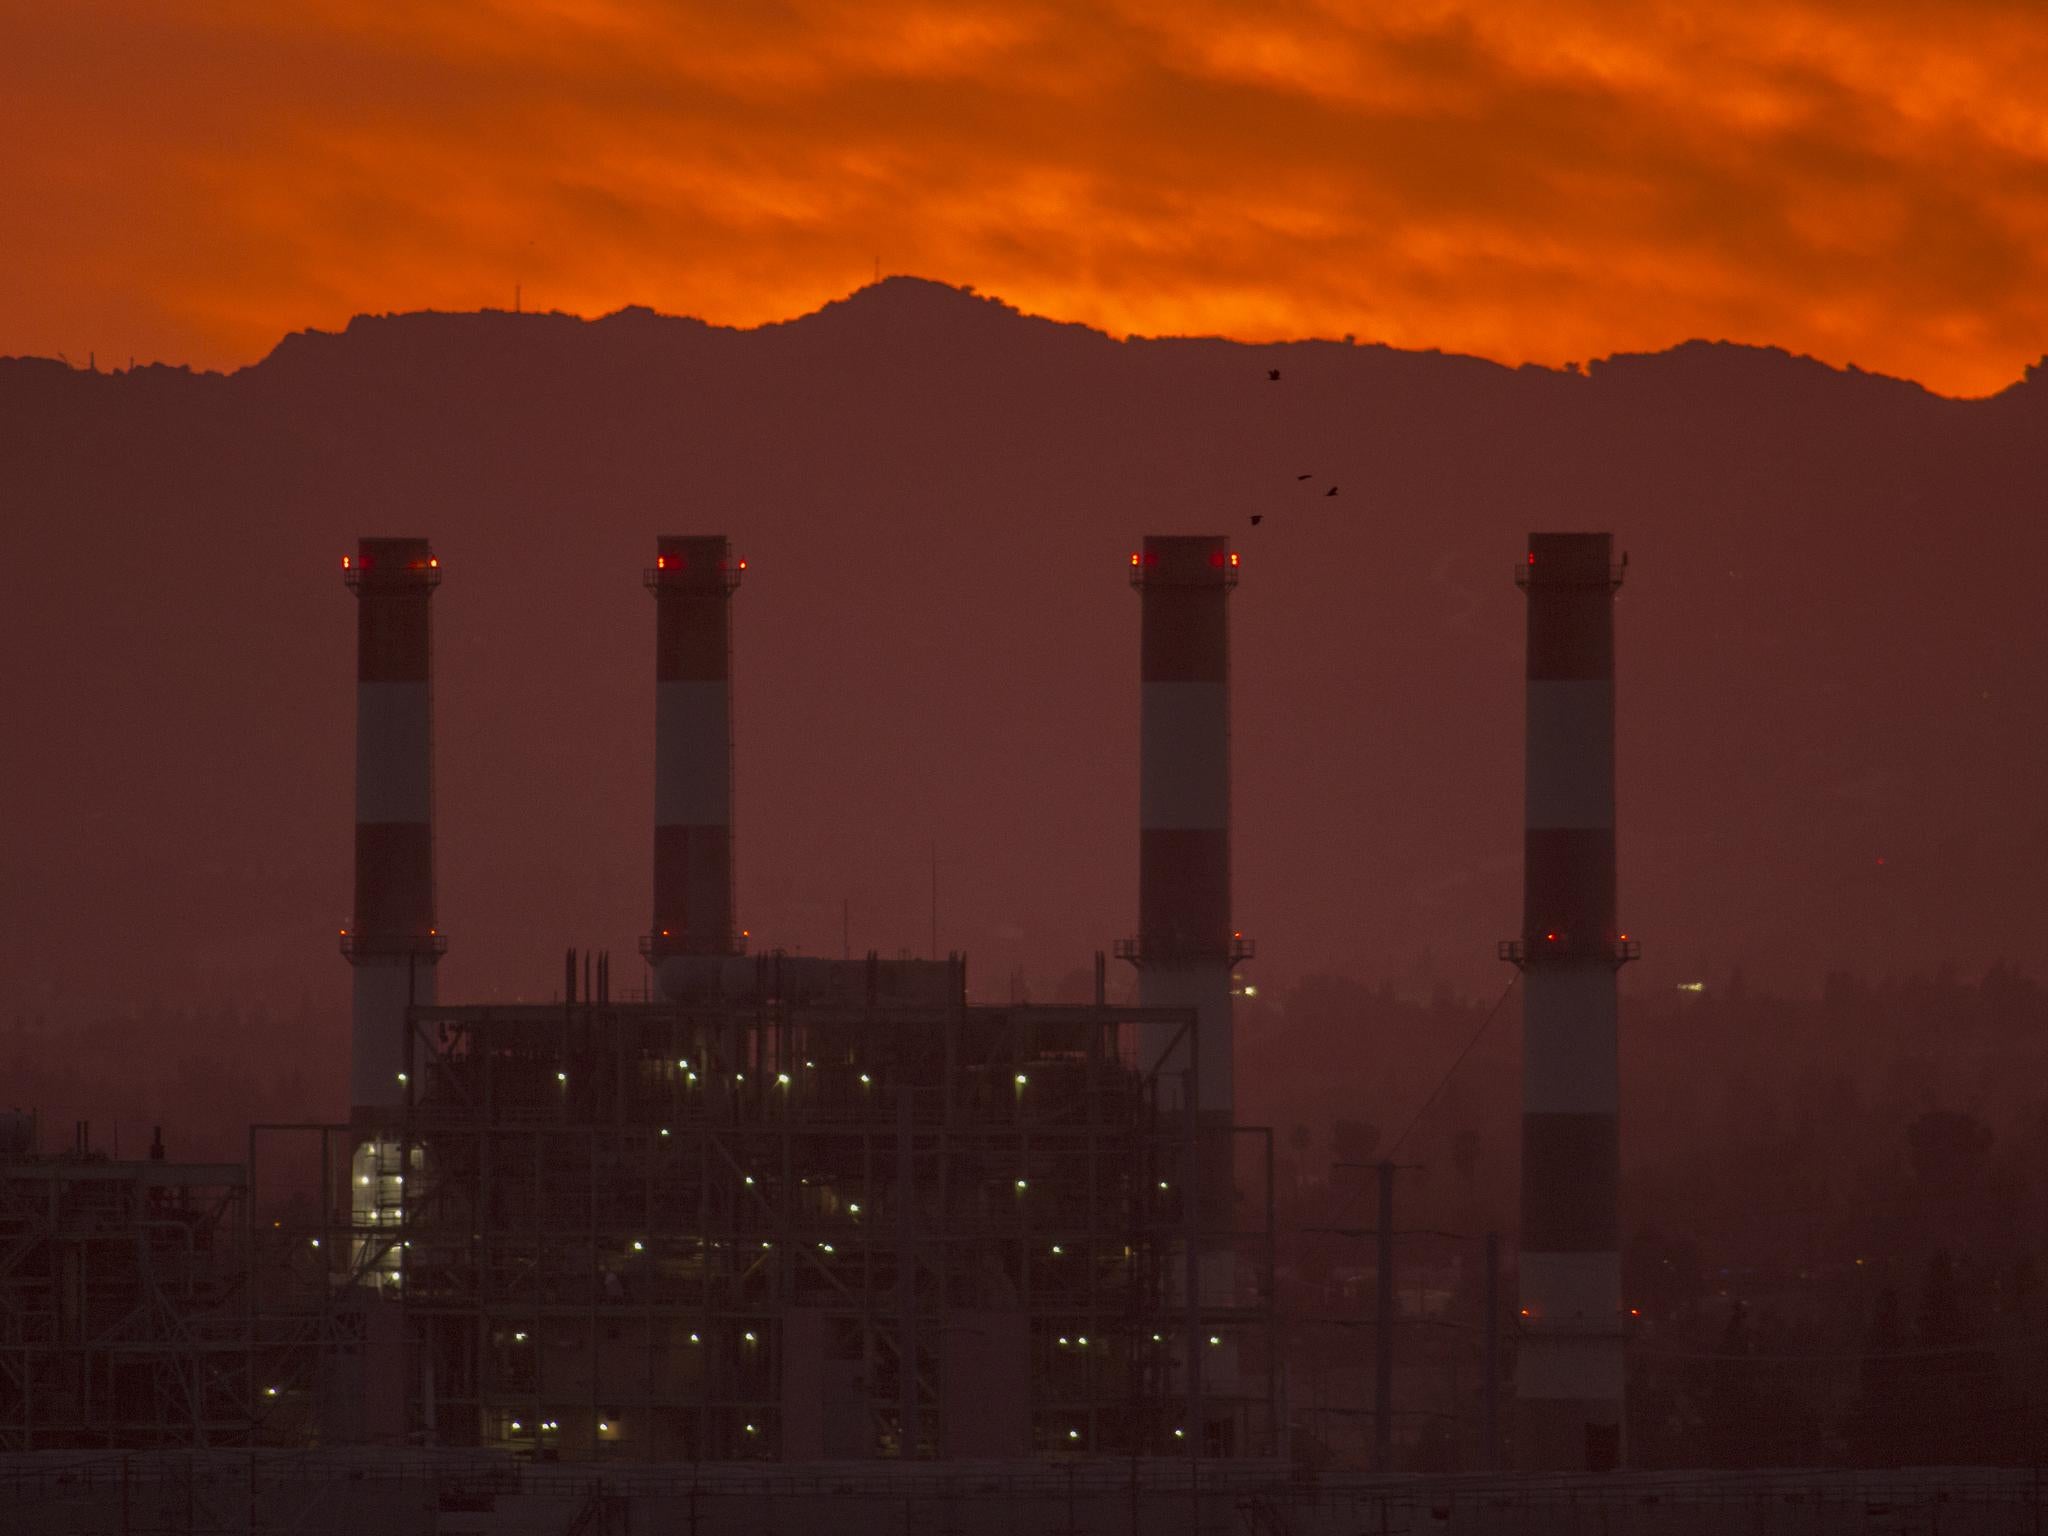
{"points": [[1550, 938], [743, 565], [1532, 557], [1233, 559], [1216, 559], [345, 563], [433, 564], [1136, 559], [661, 562]]}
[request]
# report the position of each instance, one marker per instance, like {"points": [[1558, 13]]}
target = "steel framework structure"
{"points": [[868, 1220], [124, 1304]]}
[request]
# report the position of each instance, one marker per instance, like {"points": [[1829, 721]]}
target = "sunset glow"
{"points": [[1867, 183]]}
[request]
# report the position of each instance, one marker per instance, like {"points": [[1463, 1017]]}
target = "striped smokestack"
{"points": [[1570, 1371], [1186, 945], [392, 940], [692, 581]]}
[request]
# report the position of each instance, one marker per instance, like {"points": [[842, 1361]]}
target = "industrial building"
{"points": [[841, 1213], [778, 1207]]}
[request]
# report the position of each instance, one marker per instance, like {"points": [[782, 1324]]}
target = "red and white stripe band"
{"points": [[1571, 1365], [393, 938], [693, 580], [1186, 945], [1184, 749]]}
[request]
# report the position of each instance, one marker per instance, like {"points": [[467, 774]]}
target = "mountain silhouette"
{"points": [[1831, 665]]}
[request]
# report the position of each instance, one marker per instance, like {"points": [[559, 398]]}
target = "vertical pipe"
{"points": [[1269, 1290], [1383, 1330], [393, 940], [692, 581], [1569, 1373]]}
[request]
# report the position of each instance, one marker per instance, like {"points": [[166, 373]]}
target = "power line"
{"points": [[1352, 1195], [1851, 1358], [1484, 1025]]}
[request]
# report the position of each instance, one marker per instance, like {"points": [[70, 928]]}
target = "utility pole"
{"points": [[1383, 1334], [1489, 1435], [906, 1276], [1383, 1315]]}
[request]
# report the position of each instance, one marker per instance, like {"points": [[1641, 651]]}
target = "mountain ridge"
{"points": [[942, 300]]}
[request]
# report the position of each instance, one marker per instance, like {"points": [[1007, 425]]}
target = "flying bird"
{"points": [[1273, 375], [1331, 491], [1258, 518], [1304, 477]]}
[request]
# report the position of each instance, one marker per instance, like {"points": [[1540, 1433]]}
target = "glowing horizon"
{"points": [[1522, 181]]}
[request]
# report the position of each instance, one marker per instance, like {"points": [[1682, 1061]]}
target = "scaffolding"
{"points": [[124, 1304], [835, 1212]]}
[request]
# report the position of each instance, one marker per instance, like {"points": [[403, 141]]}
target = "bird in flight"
{"points": [[1331, 491], [1304, 477], [1273, 375], [1258, 518]]}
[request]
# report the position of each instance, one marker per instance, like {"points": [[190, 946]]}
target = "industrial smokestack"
{"points": [[1186, 945], [1570, 1372], [393, 940], [692, 581]]}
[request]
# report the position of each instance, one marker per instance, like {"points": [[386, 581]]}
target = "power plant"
{"points": [[765, 1207], [781, 1207]]}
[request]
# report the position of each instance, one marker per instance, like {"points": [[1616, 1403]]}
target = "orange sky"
{"points": [[1864, 180]]}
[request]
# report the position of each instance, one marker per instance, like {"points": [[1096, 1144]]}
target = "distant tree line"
{"points": [[1832, 1213]]}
